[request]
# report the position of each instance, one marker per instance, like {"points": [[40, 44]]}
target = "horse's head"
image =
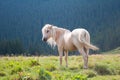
{"points": [[47, 32]]}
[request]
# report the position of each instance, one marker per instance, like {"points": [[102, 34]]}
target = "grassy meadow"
{"points": [[101, 67]]}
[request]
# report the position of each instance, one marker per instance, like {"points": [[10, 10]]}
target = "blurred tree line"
{"points": [[16, 47], [13, 47], [21, 22]]}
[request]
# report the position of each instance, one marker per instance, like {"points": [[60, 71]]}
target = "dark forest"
{"points": [[21, 22]]}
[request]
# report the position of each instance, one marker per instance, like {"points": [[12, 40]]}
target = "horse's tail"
{"points": [[88, 45]]}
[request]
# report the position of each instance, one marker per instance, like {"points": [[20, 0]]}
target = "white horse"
{"points": [[78, 39]]}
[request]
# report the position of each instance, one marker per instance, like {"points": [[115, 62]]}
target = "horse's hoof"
{"points": [[85, 67], [66, 65]]}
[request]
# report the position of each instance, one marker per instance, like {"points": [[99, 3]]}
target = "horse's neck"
{"points": [[59, 32]]}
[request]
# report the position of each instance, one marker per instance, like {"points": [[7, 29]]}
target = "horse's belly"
{"points": [[70, 47], [68, 43]]}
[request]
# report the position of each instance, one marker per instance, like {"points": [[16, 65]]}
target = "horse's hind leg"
{"points": [[85, 57], [81, 49], [86, 50]]}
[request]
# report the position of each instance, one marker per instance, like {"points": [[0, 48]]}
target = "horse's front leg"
{"points": [[60, 50], [66, 57]]}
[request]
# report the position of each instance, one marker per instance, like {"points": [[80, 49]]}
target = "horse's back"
{"points": [[79, 31]]}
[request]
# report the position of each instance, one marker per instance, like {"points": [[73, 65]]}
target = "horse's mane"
{"points": [[51, 41]]}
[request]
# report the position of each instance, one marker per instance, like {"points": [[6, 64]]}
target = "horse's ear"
{"points": [[50, 26]]}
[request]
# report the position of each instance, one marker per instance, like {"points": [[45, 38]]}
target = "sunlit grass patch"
{"points": [[79, 77], [74, 65], [102, 69], [2, 74], [50, 67], [16, 69], [44, 75], [89, 73], [34, 62], [28, 68], [106, 77]]}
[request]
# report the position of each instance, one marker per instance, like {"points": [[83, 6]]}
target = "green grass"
{"points": [[101, 67]]}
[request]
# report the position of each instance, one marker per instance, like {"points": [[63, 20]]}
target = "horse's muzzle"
{"points": [[44, 39]]}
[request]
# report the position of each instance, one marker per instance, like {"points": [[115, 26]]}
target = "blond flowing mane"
{"points": [[51, 41]]}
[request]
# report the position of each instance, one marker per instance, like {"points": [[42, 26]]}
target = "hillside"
{"points": [[23, 19], [114, 51]]}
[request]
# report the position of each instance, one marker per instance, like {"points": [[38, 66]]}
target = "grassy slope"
{"points": [[114, 51], [101, 67]]}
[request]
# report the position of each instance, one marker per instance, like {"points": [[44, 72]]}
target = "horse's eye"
{"points": [[47, 31]]}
